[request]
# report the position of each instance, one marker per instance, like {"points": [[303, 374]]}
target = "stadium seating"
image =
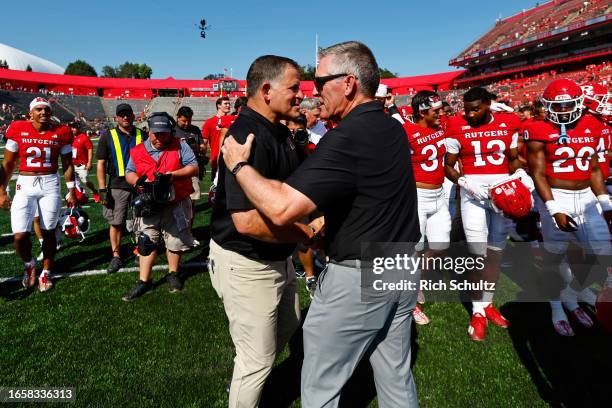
{"points": [[110, 105], [537, 21], [21, 102], [169, 104], [89, 107], [203, 108]]}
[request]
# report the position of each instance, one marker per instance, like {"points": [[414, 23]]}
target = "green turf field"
{"points": [[174, 350]]}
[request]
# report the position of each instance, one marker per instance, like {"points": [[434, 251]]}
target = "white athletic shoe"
{"points": [[420, 317], [44, 281]]}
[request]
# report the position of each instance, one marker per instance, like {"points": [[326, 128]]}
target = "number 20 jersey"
{"points": [[483, 149], [571, 160], [38, 152]]}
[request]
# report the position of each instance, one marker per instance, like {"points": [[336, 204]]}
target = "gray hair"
{"points": [[310, 104], [353, 57]]}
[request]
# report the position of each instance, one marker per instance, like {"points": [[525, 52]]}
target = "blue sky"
{"points": [[407, 37]]}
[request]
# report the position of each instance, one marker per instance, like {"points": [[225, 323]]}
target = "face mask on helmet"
{"points": [[597, 99], [75, 223], [562, 100], [563, 113]]}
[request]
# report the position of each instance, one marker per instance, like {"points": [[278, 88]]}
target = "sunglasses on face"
{"points": [[319, 82]]}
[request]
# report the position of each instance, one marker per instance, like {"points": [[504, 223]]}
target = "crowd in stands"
{"points": [[525, 89], [538, 21]]}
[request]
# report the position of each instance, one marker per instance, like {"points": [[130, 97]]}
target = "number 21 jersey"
{"points": [[38, 152]]}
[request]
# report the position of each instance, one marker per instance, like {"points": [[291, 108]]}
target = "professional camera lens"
{"points": [[300, 136]]}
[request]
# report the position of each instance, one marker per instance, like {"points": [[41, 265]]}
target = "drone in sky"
{"points": [[203, 28]]}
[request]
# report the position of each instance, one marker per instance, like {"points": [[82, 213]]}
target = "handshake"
{"points": [[314, 232]]}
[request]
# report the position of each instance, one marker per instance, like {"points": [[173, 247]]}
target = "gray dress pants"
{"points": [[340, 329]]}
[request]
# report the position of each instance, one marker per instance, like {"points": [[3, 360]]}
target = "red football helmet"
{"points": [[597, 99], [74, 223], [562, 101], [511, 197]]}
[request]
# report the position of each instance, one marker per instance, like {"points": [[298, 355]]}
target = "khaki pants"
{"points": [[261, 303]]}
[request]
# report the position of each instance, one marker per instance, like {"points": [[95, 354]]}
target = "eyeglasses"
{"points": [[319, 82]]}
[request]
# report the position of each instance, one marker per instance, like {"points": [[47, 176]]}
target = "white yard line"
{"points": [[93, 272], [9, 252]]}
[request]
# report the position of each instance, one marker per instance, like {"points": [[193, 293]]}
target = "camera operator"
{"points": [[192, 135], [299, 135], [161, 170]]}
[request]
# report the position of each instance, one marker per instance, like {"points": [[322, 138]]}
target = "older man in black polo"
{"points": [[250, 265], [360, 176]]}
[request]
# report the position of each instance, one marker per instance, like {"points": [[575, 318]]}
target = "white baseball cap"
{"points": [[39, 102]]}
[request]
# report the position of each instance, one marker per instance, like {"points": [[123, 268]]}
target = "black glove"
{"points": [[103, 196], [106, 199]]}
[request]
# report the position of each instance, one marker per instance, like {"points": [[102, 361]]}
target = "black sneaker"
{"points": [[115, 264], [139, 289], [175, 282]]}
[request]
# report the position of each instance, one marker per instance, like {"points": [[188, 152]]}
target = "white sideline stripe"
{"points": [[10, 251], [93, 272], [8, 234]]}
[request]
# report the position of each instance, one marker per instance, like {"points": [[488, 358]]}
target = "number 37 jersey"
{"points": [[427, 147], [38, 152], [571, 160], [483, 149]]}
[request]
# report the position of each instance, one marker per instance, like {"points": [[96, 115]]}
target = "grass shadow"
{"points": [[567, 371]]}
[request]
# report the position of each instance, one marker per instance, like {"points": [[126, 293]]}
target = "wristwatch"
{"points": [[238, 166]]}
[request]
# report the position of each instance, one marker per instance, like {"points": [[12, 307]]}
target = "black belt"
{"points": [[351, 263]]}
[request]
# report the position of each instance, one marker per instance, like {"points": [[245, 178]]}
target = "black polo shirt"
{"points": [[192, 135], [104, 152], [274, 156], [360, 176]]}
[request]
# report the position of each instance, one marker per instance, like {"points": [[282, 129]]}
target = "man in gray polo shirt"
{"points": [[168, 163]]}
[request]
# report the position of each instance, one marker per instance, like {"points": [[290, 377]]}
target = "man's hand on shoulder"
{"points": [[234, 152]]}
